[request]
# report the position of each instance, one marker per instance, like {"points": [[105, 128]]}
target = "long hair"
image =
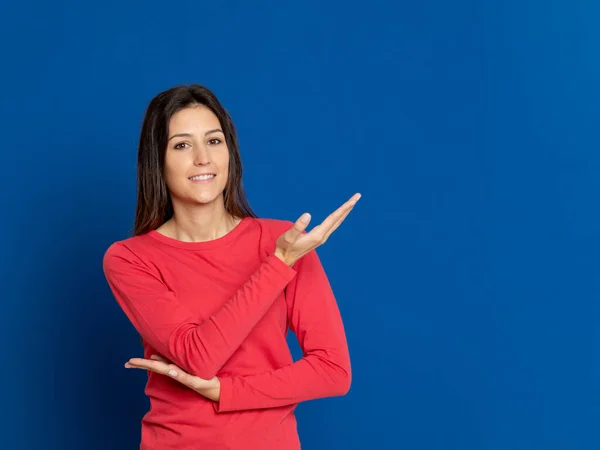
{"points": [[154, 205]]}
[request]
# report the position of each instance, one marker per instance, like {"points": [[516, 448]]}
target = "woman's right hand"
{"points": [[294, 243]]}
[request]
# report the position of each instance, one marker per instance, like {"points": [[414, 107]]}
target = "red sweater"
{"points": [[223, 307]]}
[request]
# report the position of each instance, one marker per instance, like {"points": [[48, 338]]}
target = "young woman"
{"points": [[212, 289]]}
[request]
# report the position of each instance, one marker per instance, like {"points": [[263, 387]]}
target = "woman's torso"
{"points": [[207, 276]]}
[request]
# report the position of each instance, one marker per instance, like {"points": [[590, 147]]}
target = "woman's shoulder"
{"points": [[128, 248]]}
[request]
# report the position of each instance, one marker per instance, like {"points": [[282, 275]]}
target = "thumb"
{"points": [[298, 228]]}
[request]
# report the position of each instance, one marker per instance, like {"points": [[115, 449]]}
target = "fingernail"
{"points": [[153, 357], [305, 217], [358, 198], [127, 366], [172, 373]]}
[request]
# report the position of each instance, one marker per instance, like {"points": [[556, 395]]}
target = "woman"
{"points": [[212, 290]]}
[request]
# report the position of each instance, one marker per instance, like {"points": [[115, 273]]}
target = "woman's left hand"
{"points": [[211, 389]]}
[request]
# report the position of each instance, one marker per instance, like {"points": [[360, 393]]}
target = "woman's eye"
{"points": [[178, 146], [214, 141]]}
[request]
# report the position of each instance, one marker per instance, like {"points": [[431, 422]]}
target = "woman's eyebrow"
{"points": [[190, 135]]}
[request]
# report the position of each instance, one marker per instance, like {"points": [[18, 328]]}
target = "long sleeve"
{"points": [[201, 348], [324, 370]]}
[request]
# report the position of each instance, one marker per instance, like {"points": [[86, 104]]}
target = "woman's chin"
{"points": [[207, 199], [198, 199]]}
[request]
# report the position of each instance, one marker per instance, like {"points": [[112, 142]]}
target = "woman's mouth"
{"points": [[206, 178]]}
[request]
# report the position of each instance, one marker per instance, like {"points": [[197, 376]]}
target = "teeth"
{"points": [[202, 177]]}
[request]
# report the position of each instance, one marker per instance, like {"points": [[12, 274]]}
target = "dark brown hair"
{"points": [[154, 206]]}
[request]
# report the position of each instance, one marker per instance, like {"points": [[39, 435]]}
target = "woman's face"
{"points": [[197, 157]]}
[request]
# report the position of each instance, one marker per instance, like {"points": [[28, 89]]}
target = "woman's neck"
{"points": [[199, 225]]}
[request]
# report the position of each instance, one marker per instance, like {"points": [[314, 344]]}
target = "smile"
{"points": [[205, 178]]}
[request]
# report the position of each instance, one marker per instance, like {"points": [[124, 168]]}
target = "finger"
{"points": [[149, 364], [298, 228], [335, 216], [171, 370], [153, 365], [335, 219], [162, 368], [338, 223], [160, 358], [140, 363]]}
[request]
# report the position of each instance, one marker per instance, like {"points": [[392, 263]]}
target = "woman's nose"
{"points": [[201, 156]]}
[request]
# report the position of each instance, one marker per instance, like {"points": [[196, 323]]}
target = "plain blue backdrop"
{"points": [[467, 275]]}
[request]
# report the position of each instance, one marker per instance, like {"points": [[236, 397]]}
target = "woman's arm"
{"points": [[203, 348], [200, 347], [324, 371]]}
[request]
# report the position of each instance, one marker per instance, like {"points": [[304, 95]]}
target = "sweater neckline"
{"points": [[202, 245]]}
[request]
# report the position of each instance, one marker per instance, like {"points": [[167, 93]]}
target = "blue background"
{"points": [[467, 275]]}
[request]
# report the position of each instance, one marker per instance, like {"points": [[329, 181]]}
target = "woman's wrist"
{"points": [[212, 391], [282, 257]]}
